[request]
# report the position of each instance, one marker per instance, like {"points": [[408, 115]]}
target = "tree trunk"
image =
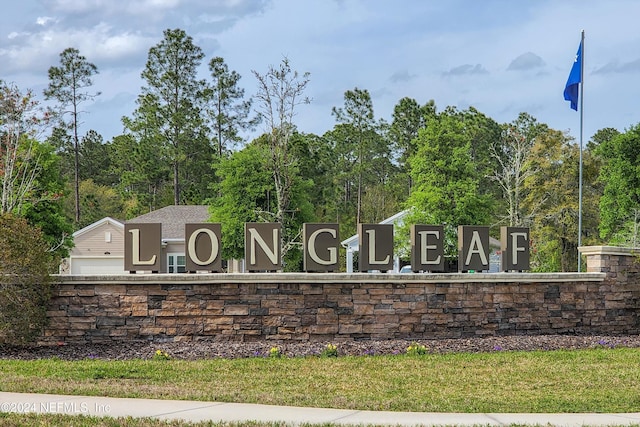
{"points": [[76, 155], [176, 185]]}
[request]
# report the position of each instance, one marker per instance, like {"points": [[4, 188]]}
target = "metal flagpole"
{"points": [[580, 173]]}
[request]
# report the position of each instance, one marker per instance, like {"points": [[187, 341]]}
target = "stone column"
{"points": [[616, 261]]}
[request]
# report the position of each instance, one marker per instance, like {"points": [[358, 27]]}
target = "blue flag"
{"points": [[574, 80]]}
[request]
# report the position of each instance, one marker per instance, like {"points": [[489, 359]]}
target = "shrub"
{"points": [[331, 350], [25, 268], [275, 352], [161, 355], [416, 349]]}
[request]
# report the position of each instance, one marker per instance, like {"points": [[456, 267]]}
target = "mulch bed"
{"points": [[209, 349]]}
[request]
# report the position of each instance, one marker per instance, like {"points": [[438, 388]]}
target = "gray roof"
{"points": [[173, 218]]}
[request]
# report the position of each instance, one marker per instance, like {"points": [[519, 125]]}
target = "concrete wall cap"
{"points": [[608, 250], [323, 278]]}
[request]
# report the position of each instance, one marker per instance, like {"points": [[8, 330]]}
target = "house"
{"points": [[99, 247], [352, 245], [173, 219]]}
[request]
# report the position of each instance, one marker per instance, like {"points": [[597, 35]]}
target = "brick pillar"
{"points": [[616, 261]]}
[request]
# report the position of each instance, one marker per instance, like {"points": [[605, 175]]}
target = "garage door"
{"points": [[84, 265]]}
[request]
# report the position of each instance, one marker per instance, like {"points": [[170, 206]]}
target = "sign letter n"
{"points": [[262, 243]]}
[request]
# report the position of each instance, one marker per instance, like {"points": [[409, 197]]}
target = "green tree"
{"points": [[592, 190], [246, 193], [32, 185], [482, 132], [316, 163], [20, 117], [408, 118], [169, 115], [620, 203], [68, 85], [45, 208], [359, 127], [24, 280], [342, 199], [447, 178], [63, 144], [602, 136], [226, 108], [367, 155], [95, 160], [143, 173], [99, 201], [552, 199]]}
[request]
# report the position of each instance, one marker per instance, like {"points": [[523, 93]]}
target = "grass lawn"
{"points": [[596, 380], [57, 420]]}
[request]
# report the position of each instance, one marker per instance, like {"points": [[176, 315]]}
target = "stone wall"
{"points": [[338, 307]]}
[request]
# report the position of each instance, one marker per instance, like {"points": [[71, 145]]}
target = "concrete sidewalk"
{"points": [[213, 411]]}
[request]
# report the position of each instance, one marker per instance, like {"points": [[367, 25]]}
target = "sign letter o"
{"points": [[215, 246]]}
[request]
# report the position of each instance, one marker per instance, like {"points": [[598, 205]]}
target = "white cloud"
{"points": [[79, 6], [44, 20], [150, 6], [391, 49], [38, 51]]}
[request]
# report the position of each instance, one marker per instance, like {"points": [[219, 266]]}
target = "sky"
{"points": [[502, 57]]}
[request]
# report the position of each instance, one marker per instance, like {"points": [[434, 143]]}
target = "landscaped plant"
{"points": [[331, 350], [275, 352], [161, 355], [416, 349], [25, 283]]}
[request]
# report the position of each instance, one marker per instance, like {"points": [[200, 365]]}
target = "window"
{"points": [[176, 263]]}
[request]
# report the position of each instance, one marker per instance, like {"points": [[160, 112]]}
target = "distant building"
{"points": [[99, 247], [173, 219], [352, 243]]}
